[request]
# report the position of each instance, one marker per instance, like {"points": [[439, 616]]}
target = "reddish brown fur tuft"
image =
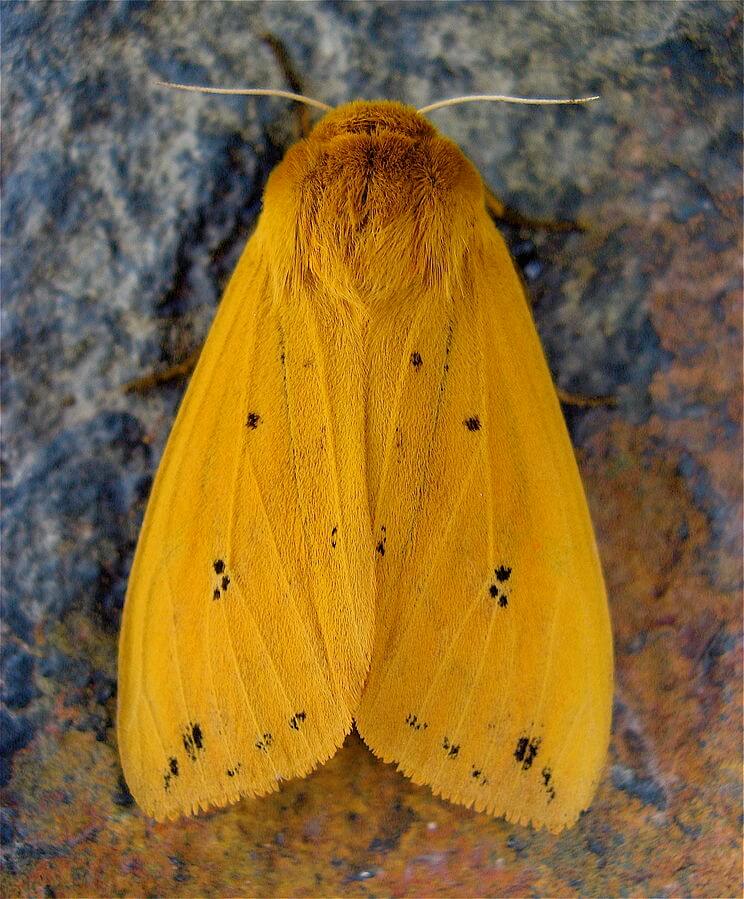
{"points": [[374, 197]]}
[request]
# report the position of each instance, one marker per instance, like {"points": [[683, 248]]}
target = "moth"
{"points": [[369, 512]]}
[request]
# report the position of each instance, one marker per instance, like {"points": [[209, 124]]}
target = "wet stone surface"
{"points": [[125, 208]]}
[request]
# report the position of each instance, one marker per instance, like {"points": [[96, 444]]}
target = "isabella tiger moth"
{"points": [[368, 509]]}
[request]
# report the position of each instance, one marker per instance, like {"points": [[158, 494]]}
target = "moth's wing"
{"points": [[248, 621], [491, 675]]}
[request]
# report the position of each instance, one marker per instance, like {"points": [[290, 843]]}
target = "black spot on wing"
{"points": [[382, 544], [170, 773], [501, 575], [416, 360], [478, 776], [413, 722], [526, 751], [445, 367], [231, 772], [264, 742], [473, 423], [296, 721], [452, 749], [253, 420], [223, 582], [547, 778], [334, 536], [193, 741]]}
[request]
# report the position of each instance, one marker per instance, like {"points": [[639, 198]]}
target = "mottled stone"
{"points": [[125, 207]]}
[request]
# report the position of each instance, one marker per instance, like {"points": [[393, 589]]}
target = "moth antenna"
{"points": [[247, 91], [501, 98]]}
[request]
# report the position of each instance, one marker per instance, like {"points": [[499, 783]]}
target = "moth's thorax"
{"points": [[375, 191]]}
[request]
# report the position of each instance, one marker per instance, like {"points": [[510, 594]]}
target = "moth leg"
{"points": [[174, 372], [503, 213], [584, 402], [292, 78]]}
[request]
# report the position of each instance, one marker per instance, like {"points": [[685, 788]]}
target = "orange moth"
{"points": [[368, 511]]}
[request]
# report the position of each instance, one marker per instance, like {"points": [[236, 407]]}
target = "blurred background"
{"points": [[125, 207]]}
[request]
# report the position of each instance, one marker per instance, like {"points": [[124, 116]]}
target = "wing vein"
{"points": [[438, 670], [424, 489], [241, 678], [158, 733], [474, 682], [485, 458], [179, 672], [230, 536], [389, 437], [445, 371], [439, 547], [313, 328], [282, 569], [290, 427], [232, 756]]}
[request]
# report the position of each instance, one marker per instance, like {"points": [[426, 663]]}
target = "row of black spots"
{"points": [[496, 589], [547, 777], [448, 344], [193, 741], [334, 536], [382, 544], [526, 751], [473, 423], [478, 776], [416, 360], [223, 579], [452, 749], [170, 773], [253, 420], [263, 743], [447, 349], [297, 720], [413, 722], [231, 772]]}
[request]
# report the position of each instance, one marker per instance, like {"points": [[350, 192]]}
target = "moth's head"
{"points": [[374, 183], [373, 118], [377, 157]]}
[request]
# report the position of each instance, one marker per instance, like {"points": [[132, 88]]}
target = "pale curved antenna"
{"points": [[247, 91], [502, 98]]}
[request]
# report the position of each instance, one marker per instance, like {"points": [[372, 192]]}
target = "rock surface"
{"points": [[125, 208]]}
